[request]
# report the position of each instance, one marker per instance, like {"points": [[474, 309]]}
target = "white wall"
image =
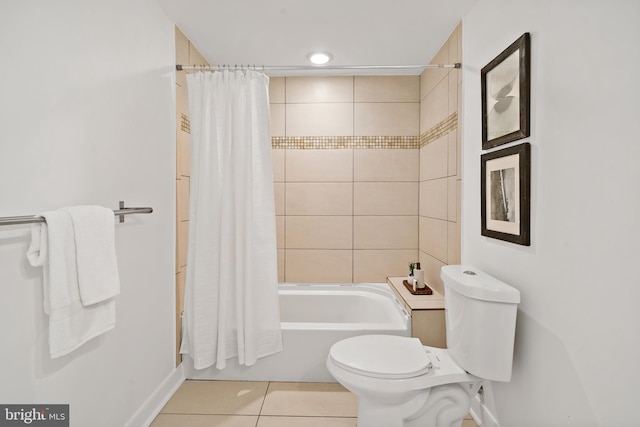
{"points": [[578, 334], [86, 117]]}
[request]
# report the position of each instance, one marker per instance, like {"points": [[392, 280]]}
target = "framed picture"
{"points": [[506, 86], [506, 188]]}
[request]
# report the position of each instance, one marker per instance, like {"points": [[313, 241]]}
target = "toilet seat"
{"points": [[381, 356]]}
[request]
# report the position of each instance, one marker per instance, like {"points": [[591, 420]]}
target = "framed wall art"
{"points": [[506, 188], [506, 87]]}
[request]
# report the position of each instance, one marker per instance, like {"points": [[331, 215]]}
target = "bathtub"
{"points": [[314, 316]]}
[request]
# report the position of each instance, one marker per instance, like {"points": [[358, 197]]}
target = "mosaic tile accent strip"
{"points": [[439, 130], [185, 123], [344, 142], [338, 142]]}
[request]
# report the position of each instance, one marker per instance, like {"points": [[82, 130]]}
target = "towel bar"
{"points": [[29, 219]]}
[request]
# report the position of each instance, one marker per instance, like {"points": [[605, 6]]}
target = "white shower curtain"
{"points": [[231, 300]]}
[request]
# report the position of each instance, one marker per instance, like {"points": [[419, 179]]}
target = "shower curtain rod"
{"points": [[310, 67]]}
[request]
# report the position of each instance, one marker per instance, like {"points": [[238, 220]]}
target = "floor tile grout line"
{"points": [[224, 414], [264, 398], [310, 416]]}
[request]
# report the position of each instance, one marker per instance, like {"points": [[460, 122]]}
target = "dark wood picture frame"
{"points": [[506, 91], [506, 194]]}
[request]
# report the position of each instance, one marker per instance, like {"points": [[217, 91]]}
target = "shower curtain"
{"points": [[231, 299]]}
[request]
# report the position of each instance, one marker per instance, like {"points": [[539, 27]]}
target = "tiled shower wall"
{"points": [[346, 172], [440, 153], [366, 172]]}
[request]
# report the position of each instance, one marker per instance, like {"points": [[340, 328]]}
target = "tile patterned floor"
{"points": [[261, 404]]}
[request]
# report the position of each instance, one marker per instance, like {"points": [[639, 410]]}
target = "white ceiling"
{"points": [[284, 32]]}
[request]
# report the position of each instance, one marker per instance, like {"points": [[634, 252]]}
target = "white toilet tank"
{"points": [[480, 318]]}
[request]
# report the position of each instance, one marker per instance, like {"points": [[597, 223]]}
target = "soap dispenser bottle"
{"points": [[418, 275]]}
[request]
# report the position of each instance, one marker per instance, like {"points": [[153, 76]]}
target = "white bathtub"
{"points": [[314, 317]]}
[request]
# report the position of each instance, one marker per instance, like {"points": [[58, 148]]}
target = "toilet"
{"points": [[401, 383]]}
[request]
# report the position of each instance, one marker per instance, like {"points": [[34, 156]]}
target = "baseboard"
{"points": [[481, 415], [154, 404]]}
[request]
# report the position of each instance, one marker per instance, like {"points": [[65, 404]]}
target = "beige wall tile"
{"points": [[459, 58], [280, 241], [319, 89], [387, 89], [452, 154], [386, 165], [329, 119], [377, 265], [319, 199], [181, 79], [386, 119], [195, 57], [453, 92], [452, 199], [452, 44], [182, 48], [183, 153], [278, 161], [433, 198], [182, 236], [319, 165], [458, 136], [434, 159], [431, 267], [433, 238], [385, 198], [180, 284], [319, 232], [182, 103], [323, 266], [435, 106], [385, 232], [459, 201], [279, 195], [430, 77], [453, 247], [181, 280], [278, 121], [281, 261], [277, 90], [182, 199]]}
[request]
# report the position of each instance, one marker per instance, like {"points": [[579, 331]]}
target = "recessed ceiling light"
{"points": [[319, 58]]}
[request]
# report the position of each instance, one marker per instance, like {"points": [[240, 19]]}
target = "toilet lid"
{"points": [[381, 356]]}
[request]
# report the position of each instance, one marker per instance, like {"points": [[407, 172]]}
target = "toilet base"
{"points": [[440, 406]]}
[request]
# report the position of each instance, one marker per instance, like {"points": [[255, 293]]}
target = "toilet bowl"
{"points": [[426, 384], [401, 383]]}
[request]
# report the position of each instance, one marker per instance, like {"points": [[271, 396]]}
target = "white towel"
{"points": [[70, 323], [98, 278]]}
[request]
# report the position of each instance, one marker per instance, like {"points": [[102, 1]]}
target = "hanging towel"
{"points": [[71, 324], [93, 227]]}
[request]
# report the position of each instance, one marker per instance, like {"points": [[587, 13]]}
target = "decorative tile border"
{"points": [[338, 142], [185, 123], [370, 142], [439, 130]]}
